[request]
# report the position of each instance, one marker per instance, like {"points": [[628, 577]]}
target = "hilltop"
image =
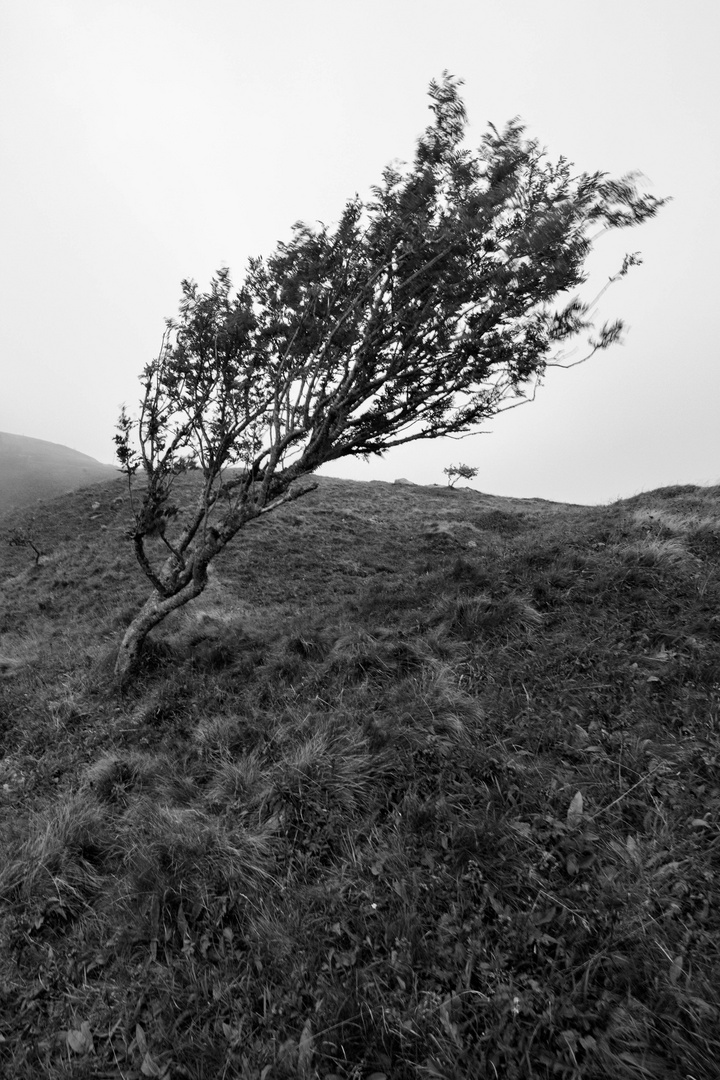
{"points": [[424, 785], [33, 470]]}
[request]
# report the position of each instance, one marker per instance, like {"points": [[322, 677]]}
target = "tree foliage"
{"points": [[459, 472], [425, 310]]}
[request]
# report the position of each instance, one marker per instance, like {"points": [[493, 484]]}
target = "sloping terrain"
{"points": [[33, 469], [426, 784]]}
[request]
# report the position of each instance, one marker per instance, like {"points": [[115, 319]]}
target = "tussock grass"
{"points": [[425, 785]]}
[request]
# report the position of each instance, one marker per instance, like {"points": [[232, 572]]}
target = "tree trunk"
{"points": [[154, 610]]}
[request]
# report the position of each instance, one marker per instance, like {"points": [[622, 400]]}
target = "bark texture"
{"points": [[153, 611]]}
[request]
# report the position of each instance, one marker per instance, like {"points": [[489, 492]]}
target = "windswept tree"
{"points": [[433, 305], [459, 472]]}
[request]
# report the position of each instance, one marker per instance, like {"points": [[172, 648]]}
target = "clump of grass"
{"points": [[500, 521], [471, 617], [117, 778], [357, 654], [52, 877]]}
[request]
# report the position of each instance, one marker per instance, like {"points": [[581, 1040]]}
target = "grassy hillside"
{"points": [[425, 786], [32, 469]]}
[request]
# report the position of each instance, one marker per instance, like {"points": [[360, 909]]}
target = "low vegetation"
{"points": [[425, 785]]}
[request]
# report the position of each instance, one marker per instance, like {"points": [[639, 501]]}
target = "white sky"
{"points": [[144, 141]]}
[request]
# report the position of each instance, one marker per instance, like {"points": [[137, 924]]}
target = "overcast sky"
{"points": [[145, 141]]}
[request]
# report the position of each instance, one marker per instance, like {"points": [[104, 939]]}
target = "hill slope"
{"points": [[425, 785], [32, 469]]}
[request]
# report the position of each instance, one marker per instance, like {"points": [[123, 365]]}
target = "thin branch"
{"points": [[289, 496]]}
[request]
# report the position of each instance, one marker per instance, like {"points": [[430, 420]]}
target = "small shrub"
{"points": [[459, 472]]}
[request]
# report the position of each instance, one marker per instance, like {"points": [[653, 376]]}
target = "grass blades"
{"points": [[425, 785]]}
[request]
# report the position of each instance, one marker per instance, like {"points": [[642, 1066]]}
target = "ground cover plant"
{"points": [[424, 785]]}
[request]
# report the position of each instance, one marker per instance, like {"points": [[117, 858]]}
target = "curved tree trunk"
{"points": [[153, 611], [193, 572]]}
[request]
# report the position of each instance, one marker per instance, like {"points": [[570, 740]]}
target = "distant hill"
{"points": [[32, 469]]}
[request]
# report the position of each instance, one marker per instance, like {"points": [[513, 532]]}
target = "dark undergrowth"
{"points": [[425, 785]]}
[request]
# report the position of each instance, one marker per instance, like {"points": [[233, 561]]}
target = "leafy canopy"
{"points": [[459, 472], [423, 311]]}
